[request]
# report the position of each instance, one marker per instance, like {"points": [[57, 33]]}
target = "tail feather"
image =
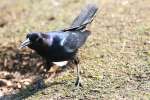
{"points": [[85, 17]]}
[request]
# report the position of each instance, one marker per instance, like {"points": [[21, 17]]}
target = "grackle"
{"points": [[60, 47]]}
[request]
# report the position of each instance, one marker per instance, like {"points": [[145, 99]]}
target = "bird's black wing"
{"points": [[75, 40]]}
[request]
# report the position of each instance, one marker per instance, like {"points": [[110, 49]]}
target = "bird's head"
{"points": [[34, 39]]}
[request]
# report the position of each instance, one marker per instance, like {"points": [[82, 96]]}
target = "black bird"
{"points": [[59, 47]]}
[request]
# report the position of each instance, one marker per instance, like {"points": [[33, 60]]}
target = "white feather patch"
{"points": [[62, 63]]}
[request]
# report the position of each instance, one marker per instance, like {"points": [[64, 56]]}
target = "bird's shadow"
{"points": [[29, 91], [27, 63]]}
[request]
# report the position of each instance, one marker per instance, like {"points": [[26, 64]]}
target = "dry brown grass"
{"points": [[115, 61]]}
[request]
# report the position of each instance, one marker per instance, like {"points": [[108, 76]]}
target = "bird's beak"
{"points": [[25, 43]]}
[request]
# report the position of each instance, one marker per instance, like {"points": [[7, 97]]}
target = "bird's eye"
{"points": [[33, 37]]}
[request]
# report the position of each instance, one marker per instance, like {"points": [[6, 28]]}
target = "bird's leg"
{"points": [[47, 67], [77, 83]]}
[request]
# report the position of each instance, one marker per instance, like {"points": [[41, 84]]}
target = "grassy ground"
{"points": [[115, 61]]}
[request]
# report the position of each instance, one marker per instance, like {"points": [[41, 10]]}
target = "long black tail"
{"points": [[85, 17]]}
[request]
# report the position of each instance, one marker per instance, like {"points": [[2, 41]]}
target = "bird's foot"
{"points": [[78, 82]]}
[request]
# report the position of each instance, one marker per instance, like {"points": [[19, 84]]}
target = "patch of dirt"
{"points": [[20, 69], [115, 61]]}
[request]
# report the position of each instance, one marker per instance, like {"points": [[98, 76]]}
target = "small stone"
{"points": [[19, 85], [26, 83], [2, 83], [9, 83]]}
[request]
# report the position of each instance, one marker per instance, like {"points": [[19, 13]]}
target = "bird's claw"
{"points": [[78, 83]]}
